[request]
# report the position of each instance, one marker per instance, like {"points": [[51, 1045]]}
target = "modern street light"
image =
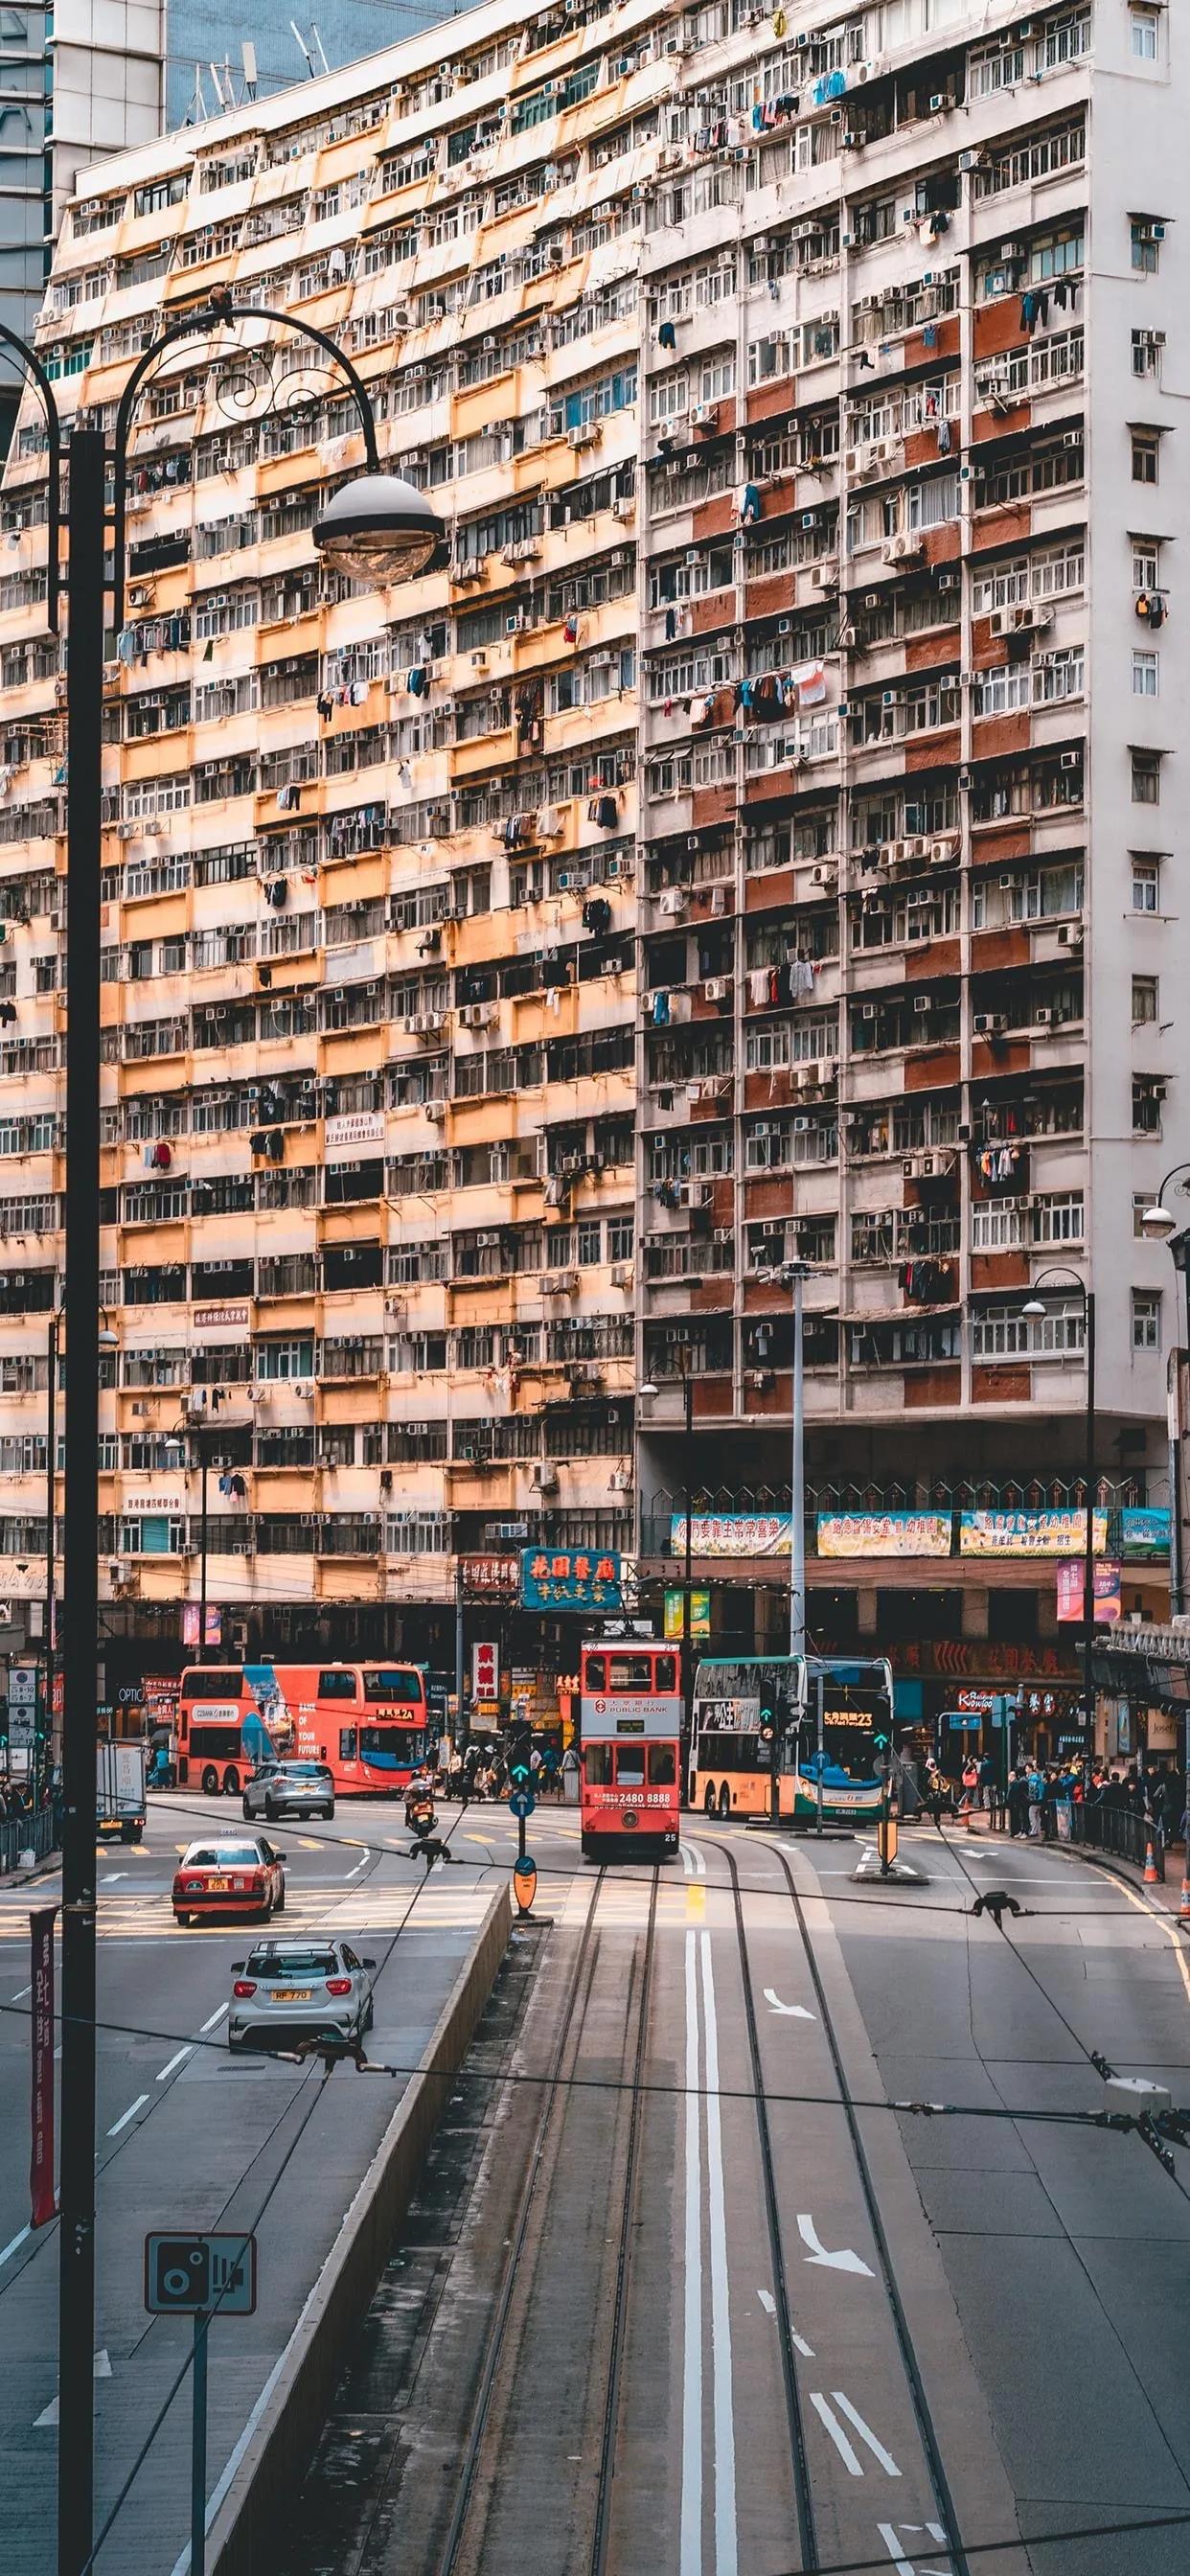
{"points": [[385, 526], [687, 1665], [1036, 1310]]}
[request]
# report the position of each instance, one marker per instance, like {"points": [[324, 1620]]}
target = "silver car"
{"points": [[290, 1789], [287, 1990]]}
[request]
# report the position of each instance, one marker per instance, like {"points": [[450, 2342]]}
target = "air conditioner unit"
{"points": [[1043, 1017], [557, 1283], [716, 988], [543, 1475], [695, 1194], [825, 575], [824, 875], [622, 1274], [1071, 935], [479, 661], [943, 851], [586, 433], [802, 1126], [1071, 760], [1001, 621]]}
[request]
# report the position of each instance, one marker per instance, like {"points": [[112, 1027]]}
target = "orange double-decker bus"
{"points": [[367, 1721]]}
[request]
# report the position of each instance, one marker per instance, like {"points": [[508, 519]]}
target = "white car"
{"points": [[299, 1989]]}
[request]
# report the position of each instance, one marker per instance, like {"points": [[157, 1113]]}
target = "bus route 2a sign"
{"points": [[570, 1578]]}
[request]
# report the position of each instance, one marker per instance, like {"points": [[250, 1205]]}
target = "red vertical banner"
{"points": [[42, 2196]]}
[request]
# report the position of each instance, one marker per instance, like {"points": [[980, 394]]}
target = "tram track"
{"points": [[466, 2545], [923, 2417]]}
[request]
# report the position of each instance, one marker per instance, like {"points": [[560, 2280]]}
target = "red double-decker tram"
{"points": [[630, 1726]]}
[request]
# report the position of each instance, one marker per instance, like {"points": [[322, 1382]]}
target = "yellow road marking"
{"points": [[305, 1842], [696, 1899], [1156, 1914]]}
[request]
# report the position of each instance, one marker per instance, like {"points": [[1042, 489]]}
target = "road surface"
{"points": [[671, 2305], [188, 2135]]}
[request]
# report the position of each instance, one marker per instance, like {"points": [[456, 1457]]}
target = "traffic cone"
{"points": [[1150, 1874], [1184, 1908]]}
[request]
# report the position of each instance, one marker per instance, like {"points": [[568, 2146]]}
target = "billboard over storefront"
{"points": [[1060, 1533], [877, 1534]]}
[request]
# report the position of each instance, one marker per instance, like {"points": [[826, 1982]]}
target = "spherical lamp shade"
{"points": [[1157, 1220], [381, 529]]}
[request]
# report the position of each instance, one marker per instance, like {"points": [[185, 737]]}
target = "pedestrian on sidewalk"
{"points": [[1018, 1802], [1036, 1796], [970, 1785], [987, 1780]]}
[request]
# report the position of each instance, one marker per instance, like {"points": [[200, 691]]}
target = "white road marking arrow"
{"points": [[843, 2261], [890, 2534], [795, 2012], [49, 2414]]}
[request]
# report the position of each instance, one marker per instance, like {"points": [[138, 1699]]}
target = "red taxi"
{"points": [[240, 1877]]}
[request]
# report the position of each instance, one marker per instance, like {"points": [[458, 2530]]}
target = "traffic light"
{"points": [[518, 1759]]}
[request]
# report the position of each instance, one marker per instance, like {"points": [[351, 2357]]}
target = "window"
{"points": [[1146, 777], [1146, 563], [1146, 245], [1148, 1094], [1147, 351], [1141, 1199], [1142, 35], [1146, 449], [1144, 999], [1146, 885], [1146, 1319], [1145, 671]]}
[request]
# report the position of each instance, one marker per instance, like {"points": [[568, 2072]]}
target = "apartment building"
{"points": [[716, 866]]}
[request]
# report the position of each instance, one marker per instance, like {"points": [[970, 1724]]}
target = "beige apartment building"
{"points": [[715, 866]]}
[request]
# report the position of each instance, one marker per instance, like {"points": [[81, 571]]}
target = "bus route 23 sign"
{"points": [[570, 1578]]}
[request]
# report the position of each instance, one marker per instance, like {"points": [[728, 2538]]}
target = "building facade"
{"points": [[717, 866]]}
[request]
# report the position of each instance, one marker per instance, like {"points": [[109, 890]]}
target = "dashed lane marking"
{"points": [[769, 2304], [129, 2114], [854, 2466], [177, 2060]]}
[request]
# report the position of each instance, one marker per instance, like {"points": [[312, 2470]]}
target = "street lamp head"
{"points": [[106, 1339], [379, 528], [648, 1388], [1158, 1221], [1034, 1310]]}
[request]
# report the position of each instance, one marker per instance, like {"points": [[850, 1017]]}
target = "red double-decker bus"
{"points": [[630, 1727]]}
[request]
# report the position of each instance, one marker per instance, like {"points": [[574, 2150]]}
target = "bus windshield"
{"points": [[396, 1681]]}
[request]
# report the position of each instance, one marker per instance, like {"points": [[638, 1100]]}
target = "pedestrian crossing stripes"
{"points": [[435, 1907]]}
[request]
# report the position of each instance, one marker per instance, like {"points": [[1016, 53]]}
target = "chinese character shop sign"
{"points": [[570, 1578]]}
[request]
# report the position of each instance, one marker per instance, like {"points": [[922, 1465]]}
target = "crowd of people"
{"points": [[17, 1799], [1041, 1797], [481, 1771]]}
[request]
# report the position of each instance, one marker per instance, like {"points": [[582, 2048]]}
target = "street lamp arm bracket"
{"points": [[53, 421], [205, 320]]}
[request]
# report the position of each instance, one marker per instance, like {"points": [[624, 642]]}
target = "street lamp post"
{"points": [[378, 526], [794, 1274], [1161, 1226], [51, 1470], [648, 1389], [1035, 1309]]}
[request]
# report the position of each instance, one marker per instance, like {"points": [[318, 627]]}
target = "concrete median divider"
{"points": [[262, 2480]]}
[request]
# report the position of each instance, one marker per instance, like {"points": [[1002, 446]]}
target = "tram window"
{"points": [[630, 1766], [597, 1761], [635, 1673], [596, 1673], [662, 1766]]}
